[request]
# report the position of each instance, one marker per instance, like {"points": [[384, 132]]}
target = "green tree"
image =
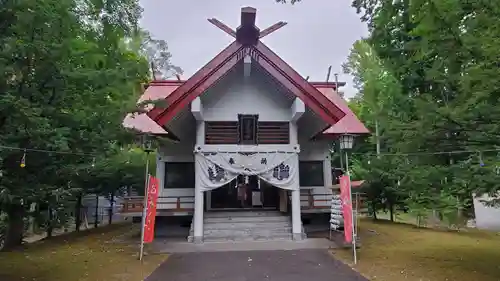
{"points": [[376, 104], [443, 54], [68, 82]]}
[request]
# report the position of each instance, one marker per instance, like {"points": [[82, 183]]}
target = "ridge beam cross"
{"points": [[272, 29], [223, 27]]}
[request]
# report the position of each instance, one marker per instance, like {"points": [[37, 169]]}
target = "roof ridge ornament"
{"points": [[247, 33]]}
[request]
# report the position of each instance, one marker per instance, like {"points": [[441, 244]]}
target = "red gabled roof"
{"points": [[349, 124], [247, 43], [156, 90]]}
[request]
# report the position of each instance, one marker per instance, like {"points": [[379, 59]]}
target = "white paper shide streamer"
{"points": [[335, 212]]}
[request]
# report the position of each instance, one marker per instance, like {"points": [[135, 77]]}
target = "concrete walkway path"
{"points": [[182, 246], [293, 265]]}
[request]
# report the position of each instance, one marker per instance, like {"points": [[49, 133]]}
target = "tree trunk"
{"points": [[391, 211], [111, 207], [78, 211], [96, 215], [374, 211], [50, 225], [15, 227], [377, 138]]}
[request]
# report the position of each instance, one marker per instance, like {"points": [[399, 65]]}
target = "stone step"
{"points": [[226, 238], [246, 219], [245, 225], [247, 231], [239, 214]]}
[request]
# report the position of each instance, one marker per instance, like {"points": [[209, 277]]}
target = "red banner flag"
{"points": [[152, 198], [345, 196]]}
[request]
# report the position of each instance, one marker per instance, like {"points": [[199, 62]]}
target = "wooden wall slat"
{"points": [[273, 132], [226, 132], [221, 132]]}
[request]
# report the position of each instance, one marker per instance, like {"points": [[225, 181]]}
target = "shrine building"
{"points": [[248, 142]]}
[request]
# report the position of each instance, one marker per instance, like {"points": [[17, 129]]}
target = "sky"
{"points": [[319, 33]]}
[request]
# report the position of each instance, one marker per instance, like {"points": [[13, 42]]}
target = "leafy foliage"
{"points": [[70, 75], [157, 53], [428, 75]]}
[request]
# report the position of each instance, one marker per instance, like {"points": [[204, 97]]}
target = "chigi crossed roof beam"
{"points": [[231, 32], [247, 43]]}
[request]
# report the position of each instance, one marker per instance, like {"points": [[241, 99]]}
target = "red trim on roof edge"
{"points": [[179, 94], [247, 34], [227, 59], [200, 88], [288, 83], [324, 104]]}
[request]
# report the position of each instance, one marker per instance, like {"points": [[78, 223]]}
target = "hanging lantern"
{"points": [[346, 141], [147, 144]]}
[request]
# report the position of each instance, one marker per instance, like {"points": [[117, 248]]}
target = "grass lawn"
{"points": [[394, 252], [85, 256]]}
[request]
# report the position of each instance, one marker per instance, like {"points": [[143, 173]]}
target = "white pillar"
{"points": [[198, 208], [296, 220], [293, 133], [200, 132], [160, 173], [327, 173]]}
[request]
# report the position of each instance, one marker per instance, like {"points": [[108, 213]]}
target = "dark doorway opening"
{"points": [[258, 196]]}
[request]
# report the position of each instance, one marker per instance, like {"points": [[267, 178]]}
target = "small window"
{"points": [[311, 173], [247, 129], [179, 175]]}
